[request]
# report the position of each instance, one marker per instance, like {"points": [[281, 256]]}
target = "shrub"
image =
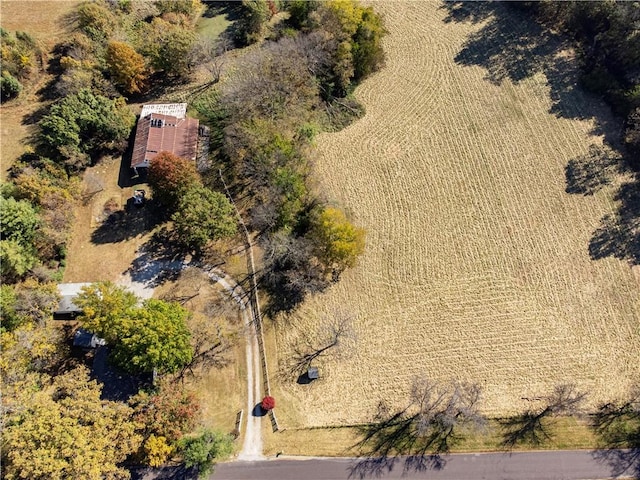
{"points": [[268, 403], [202, 451], [10, 87]]}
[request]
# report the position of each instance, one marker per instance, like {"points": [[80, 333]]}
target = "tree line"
{"points": [[440, 414], [264, 120]]}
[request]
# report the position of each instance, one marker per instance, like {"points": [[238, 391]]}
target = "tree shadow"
{"points": [[618, 235], [117, 385], [160, 260], [385, 440], [587, 174], [169, 472], [513, 46], [618, 430], [526, 428], [125, 224]]}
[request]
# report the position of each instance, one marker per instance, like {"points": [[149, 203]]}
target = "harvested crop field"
{"points": [[477, 264]]}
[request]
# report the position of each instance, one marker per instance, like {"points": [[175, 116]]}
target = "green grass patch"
{"points": [[210, 28], [564, 433]]}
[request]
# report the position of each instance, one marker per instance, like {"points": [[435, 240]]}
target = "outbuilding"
{"points": [[67, 309]]}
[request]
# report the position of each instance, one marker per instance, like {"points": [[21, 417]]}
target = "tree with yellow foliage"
{"points": [[127, 67], [338, 243], [65, 431]]}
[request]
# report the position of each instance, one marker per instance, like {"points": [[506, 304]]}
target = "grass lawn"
{"points": [[210, 28], [565, 433]]}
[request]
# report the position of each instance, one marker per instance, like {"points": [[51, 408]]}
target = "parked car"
{"points": [[139, 198]]}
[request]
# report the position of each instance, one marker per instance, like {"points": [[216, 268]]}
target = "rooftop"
{"points": [[157, 132]]}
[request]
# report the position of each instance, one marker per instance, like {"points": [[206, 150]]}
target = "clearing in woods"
{"points": [[477, 264]]}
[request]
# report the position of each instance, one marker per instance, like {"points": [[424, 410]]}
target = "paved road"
{"points": [[557, 465]]}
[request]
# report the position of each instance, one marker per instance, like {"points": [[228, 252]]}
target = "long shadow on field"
{"points": [[617, 426], [526, 428], [618, 235], [159, 261], [588, 173], [119, 225], [512, 46], [392, 434]]}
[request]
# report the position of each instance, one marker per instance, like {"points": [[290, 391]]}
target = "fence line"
{"points": [[255, 304]]}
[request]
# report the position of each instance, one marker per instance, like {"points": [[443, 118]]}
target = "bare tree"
{"points": [[438, 415], [335, 337], [187, 288], [532, 426], [443, 409], [211, 55], [617, 426]]}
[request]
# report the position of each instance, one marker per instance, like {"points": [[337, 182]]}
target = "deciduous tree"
{"points": [[126, 66], [171, 176], [156, 339], [105, 309], [18, 220], [169, 412], [66, 432], [84, 124], [15, 260], [203, 215], [169, 47], [203, 451], [338, 243]]}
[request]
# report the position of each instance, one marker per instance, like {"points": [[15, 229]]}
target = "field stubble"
{"points": [[477, 264]]}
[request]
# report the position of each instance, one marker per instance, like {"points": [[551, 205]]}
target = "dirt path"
{"points": [[142, 280]]}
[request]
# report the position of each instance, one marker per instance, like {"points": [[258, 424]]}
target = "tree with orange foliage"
{"points": [[170, 177], [127, 67]]}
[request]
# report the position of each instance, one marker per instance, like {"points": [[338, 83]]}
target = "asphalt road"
{"points": [[556, 465]]}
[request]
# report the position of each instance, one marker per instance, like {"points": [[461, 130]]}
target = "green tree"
{"points": [[368, 55], [203, 451], [337, 242], [126, 66], [96, 20], [255, 14], [203, 215], [105, 308], [145, 338], [299, 11], [8, 315], [18, 220], [66, 432], [171, 176], [15, 260], [86, 124], [157, 339], [169, 47]]}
